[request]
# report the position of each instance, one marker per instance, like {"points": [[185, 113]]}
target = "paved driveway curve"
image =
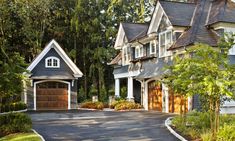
{"points": [[101, 126]]}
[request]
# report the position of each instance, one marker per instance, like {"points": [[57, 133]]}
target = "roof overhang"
{"points": [[61, 52]]}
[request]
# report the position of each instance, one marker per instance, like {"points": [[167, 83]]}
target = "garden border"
{"points": [[38, 134], [167, 124], [20, 111]]}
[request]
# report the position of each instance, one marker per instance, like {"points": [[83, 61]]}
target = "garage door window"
{"points": [[52, 85]]}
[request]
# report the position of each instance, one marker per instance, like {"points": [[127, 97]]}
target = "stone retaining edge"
{"points": [[38, 134], [20, 111], [167, 124]]}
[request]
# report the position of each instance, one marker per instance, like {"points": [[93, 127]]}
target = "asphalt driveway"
{"points": [[101, 126]]}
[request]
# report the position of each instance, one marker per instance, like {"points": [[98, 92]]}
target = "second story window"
{"points": [[126, 55], [153, 47], [52, 62], [165, 39], [139, 51]]}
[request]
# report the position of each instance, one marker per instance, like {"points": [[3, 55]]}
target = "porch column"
{"points": [[166, 95], [130, 89], [117, 87], [167, 100], [190, 103]]}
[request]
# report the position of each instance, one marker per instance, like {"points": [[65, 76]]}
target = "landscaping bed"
{"points": [[21, 137], [196, 126], [14, 123], [118, 105]]}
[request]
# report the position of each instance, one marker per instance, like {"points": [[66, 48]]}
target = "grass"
{"points": [[21, 137]]}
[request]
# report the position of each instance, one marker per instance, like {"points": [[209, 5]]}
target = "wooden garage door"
{"points": [[154, 96], [177, 103], [52, 96]]}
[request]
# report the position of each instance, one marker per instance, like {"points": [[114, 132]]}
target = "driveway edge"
{"points": [[167, 124], [38, 134]]}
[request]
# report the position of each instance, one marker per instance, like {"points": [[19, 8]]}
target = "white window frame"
{"points": [[139, 51], [53, 60], [155, 48], [166, 45], [126, 57]]}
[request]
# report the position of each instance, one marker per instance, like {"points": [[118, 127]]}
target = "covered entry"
{"points": [[154, 96], [51, 95]]}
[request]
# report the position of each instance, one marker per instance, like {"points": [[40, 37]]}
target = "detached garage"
{"points": [[53, 78]]}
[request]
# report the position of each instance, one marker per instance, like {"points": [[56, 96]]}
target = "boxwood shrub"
{"points": [[124, 105], [14, 123], [93, 105], [12, 107]]}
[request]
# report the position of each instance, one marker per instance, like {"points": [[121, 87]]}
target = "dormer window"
{"points": [[139, 52], [153, 47], [52, 62], [166, 41]]}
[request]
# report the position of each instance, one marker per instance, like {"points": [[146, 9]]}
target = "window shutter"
{"points": [[133, 53]]}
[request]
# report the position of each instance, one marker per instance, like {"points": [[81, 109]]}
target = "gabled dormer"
{"points": [[127, 33]]}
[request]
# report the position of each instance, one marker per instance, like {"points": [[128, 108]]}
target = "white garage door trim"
{"points": [[35, 92]]}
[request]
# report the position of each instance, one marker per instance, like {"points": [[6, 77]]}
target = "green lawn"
{"points": [[21, 137]]}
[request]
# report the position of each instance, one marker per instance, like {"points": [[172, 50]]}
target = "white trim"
{"points": [[119, 40], [25, 91], [167, 124], [52, 58], [125, 75], [61, 52], [155, 44], [117, 87], [138, 52], [153, 20], [69, 91], [42, 139], [130, 89], [166, 52]]}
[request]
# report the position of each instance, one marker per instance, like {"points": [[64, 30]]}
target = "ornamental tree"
{"points": [[206, 71]]}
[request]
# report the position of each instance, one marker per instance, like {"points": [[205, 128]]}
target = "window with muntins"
{"points": [[139, 51], [126, 55], [153, 47], [165, 39], [52, 62]]}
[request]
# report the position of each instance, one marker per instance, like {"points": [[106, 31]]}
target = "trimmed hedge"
{"points": [[12, 107], [14, 123], [124, 105], [93, 105]]}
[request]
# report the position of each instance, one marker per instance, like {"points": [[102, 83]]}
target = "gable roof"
{"points": [[116, 59], [198, 32], [131, 31], [60, 51], [179, 13], [222, 11], [135, 30]]}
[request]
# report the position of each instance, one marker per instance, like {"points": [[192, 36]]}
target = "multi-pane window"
{"points": [[165, 43], [126, 55], [139, 52], [52, 62], [153, 47]]}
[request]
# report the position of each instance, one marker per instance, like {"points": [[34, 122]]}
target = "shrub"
{"points": [[123, 93], [93, 105], [226, 133], [199, 120], [14, 123], [126, 105], [13, 107], [206, 136]]}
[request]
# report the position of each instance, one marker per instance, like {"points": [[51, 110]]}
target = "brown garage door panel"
{"points": [[52, 98]]}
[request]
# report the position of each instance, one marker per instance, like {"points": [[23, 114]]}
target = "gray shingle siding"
{"points": [[64, 71]]}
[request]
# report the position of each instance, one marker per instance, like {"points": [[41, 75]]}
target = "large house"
{"points": [[146, 48], [53, 80]]}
